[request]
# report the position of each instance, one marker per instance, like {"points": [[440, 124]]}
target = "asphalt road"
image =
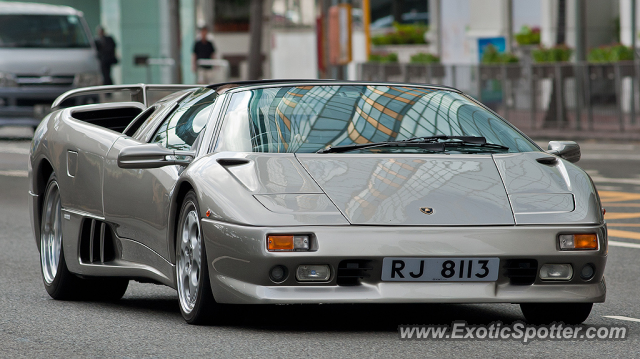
{"points": [[147, 322]]}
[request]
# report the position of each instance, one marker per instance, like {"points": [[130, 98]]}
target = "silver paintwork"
{"points": [[388, 189], [239, 263], [569, 150], [526, 179], [352, 205], [139, 92], [51, 234]]}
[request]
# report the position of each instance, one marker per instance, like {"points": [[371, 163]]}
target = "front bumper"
{"points": [[239, 264]]}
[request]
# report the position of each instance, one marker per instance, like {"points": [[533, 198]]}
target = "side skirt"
{"points": [[92, 248]]}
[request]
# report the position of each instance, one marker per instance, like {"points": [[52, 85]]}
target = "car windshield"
{"points": [[42, 31], [307, 119]]}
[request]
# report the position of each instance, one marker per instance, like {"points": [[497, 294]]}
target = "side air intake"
{"points": [[97, 242]]}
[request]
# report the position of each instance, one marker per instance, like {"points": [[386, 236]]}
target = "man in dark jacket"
{"points": [[202, 49], [106, 54]]}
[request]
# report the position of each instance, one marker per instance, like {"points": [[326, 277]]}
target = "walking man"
{"points": [[202, 49], [106, 54]]}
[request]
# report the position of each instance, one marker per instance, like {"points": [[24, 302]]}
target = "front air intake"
{"points": [[521, 271], [351, 271]]}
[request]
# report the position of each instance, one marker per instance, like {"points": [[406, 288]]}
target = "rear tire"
{"points": [[58, 281], [547, 313], [192, 274]]}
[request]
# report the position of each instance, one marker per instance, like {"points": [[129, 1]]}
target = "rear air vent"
{"points": [[116, 119], [350, 271], [97, 242], [521, 271]]}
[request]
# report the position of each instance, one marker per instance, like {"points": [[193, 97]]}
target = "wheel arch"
{"points": [[42, 172], [182, 188]]}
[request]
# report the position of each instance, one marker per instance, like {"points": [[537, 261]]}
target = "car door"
{"points": [[137, 201]]}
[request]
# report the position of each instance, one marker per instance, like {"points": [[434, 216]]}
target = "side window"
{"points": [[235, 135], [181, 128], [137, 122]]}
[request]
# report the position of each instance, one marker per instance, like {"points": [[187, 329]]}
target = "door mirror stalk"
{"points": [[153, 155]]}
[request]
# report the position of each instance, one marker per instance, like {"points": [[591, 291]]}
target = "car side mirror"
{"points": [[152, 156], [569, 150]]}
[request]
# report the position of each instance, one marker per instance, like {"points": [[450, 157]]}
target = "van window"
{"points": [[42, 31]]}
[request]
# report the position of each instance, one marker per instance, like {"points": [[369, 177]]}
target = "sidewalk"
{"points": [[605, 127]]}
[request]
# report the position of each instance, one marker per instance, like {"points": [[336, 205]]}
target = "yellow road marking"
{"points": [[624, 244], [621, 215], [623, 224], [613, 196], [622, 205], [623, 234]]}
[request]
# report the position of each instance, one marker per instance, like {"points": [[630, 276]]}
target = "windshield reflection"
{"points": [[305, 119]]}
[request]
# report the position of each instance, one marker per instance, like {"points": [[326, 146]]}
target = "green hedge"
{"points": [[424, 58], [558, 53], [392, 57], [528, 36], [492, 56], [402, 35], [610, 53]]}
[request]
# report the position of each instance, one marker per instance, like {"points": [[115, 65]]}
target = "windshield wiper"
{"points": [[429, 146], [469, 141], [430, 143]]}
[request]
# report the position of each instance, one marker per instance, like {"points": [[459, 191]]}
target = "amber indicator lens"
{"points": [[280, 243], [288, 243], [585, 241], [578, 241]]}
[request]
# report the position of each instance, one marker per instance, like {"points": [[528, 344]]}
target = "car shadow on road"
{"points": [[360, 317], [167, 306], [335, 317]]}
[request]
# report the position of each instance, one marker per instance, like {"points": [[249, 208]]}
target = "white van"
{"points": [[45, 50]]}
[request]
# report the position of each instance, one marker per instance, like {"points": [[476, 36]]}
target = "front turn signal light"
{"points": [[578, 241], [287, 243]]}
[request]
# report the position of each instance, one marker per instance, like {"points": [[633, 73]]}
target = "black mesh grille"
{"points": [[350, 271], [521, 271]]}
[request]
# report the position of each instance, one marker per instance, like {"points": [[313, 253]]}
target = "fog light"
{"points": [[313, 273], [556, 272], [587, 272], [278, 273], [288, 243], [578, 241]]}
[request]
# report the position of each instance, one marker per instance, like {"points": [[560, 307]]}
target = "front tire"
{"points": [[58, 281], [547, 313], [192, 275]]}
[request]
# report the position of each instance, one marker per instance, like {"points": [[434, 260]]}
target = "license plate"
{"points": [[440, 269]]}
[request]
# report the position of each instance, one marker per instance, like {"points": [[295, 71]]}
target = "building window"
{"points": [[232, 16]]}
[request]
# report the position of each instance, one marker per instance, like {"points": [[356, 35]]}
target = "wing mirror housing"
{"points": [[569, 150], [152, 156]]}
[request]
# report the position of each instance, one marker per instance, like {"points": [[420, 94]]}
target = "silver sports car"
{"points": [[306, 191]]}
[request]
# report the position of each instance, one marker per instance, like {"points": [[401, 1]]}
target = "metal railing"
{"points": [[570, 96], [212, 71]]}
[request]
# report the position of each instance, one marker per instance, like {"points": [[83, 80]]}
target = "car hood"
{"points": [[554, 193], [402, 190], [434, 190], [58, 61]]}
